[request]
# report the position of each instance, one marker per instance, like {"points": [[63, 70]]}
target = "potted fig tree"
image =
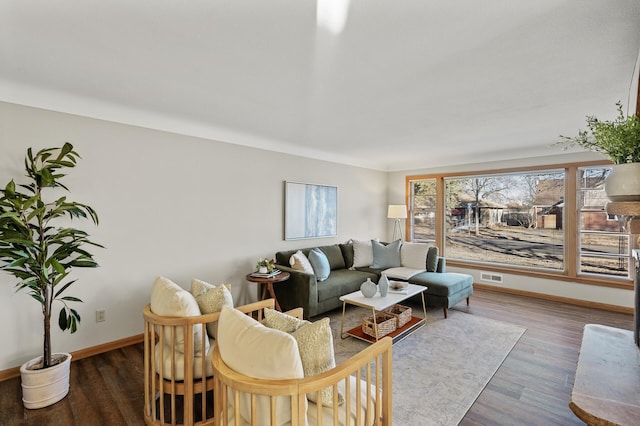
{"points": [[619, 140], [40, 255]]}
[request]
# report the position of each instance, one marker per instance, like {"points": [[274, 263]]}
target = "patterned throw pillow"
{"points": [[281, 321], [211, 299], [315, 343], [299, 262]]}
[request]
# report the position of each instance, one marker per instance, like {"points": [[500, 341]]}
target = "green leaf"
{"points": [[63, 322]]}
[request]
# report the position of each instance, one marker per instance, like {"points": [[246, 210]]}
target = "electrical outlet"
{"points": [[101, 315]]}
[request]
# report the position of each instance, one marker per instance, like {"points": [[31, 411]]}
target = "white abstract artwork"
{"points": [[311, 211]]}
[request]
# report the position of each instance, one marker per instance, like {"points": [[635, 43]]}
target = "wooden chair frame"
{"points": [[371, 368], [161, 393]]}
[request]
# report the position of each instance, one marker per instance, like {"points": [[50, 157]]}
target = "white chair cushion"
{"points": [[254, 350], [171, 300], [178, 366]]}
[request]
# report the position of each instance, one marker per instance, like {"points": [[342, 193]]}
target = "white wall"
{"points": [[169, 205], [396, 193]]}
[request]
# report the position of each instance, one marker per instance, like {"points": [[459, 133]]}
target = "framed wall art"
{"points": [[311, 211]]}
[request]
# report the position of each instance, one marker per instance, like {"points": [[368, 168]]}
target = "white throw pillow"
{"points": [[414, 255], [211, 299], [362, 253], [300, 262], [254, 350], [171, 300]]}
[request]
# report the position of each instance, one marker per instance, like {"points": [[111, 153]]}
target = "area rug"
{"points": [[440, 369]]}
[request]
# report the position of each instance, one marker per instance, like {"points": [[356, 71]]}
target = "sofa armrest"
{"points": [[442, 265], [300, 290]]}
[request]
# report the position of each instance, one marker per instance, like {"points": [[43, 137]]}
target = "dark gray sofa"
{"points": [[303, 290]]}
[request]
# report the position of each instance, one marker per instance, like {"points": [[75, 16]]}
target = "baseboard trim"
{"points": [[82, 353], [567, 300]]}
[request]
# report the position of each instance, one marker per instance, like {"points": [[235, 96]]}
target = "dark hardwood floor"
{"points": [[532, 387]]}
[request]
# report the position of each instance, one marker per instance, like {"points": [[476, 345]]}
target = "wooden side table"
{"points": [[268, 285]]}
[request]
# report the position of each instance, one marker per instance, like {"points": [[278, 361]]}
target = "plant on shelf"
{"points": [[39, 254], [618, 139], [265, 265]]}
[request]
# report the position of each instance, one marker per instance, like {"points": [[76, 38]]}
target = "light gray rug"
{"points": [[440, 369]]}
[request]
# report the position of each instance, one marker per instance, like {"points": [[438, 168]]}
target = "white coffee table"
{"points": [[379, 303]]}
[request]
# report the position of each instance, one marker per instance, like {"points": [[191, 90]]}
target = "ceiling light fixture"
{"points": [[332, 15]]}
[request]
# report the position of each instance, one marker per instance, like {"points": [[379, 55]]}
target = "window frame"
{"points": [[571, 226]]}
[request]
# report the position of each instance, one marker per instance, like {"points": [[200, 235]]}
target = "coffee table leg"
{"points": [[375, 324], [424, 307], [342, 335]]}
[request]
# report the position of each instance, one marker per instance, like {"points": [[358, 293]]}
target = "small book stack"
{"points": [[267, 274]]}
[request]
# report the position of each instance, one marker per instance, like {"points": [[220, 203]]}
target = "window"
{"points": [[536, 221], [509, 219], [604, 245], [422, 222]]}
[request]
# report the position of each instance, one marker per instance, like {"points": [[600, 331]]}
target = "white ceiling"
{"points": [[407, 84]]}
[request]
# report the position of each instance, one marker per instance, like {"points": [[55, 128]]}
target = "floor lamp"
{"points": [[397, 212]]}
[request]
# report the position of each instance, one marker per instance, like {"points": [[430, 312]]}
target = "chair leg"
{"points": [[445, 312]]}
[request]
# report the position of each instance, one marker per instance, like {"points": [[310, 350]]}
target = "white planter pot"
{"points": [[41, 388], [623, 183]]}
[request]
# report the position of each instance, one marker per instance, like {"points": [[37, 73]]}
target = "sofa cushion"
{"points": [[385, 256], [432, 259], [171, 300], [334, 256], [414, 255], [320, 264], [347, 254], [254, 350], [300, 262], [402, 273], [442, 284], [210, 299], [341, 282]]}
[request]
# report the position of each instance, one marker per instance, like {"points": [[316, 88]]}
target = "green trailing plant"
{"points": [[618, 139], [35, 251]]}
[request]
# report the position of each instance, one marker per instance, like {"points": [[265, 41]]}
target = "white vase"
{"points": [[383, 285], [262, 270], [623, 183], [369, 288], [44, 387]]}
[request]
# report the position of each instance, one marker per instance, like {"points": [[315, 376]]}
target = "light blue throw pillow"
{"points": [[386, 256], [320, 264]]}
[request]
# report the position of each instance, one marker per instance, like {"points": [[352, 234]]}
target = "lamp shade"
{"points": [[397, 211]]}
